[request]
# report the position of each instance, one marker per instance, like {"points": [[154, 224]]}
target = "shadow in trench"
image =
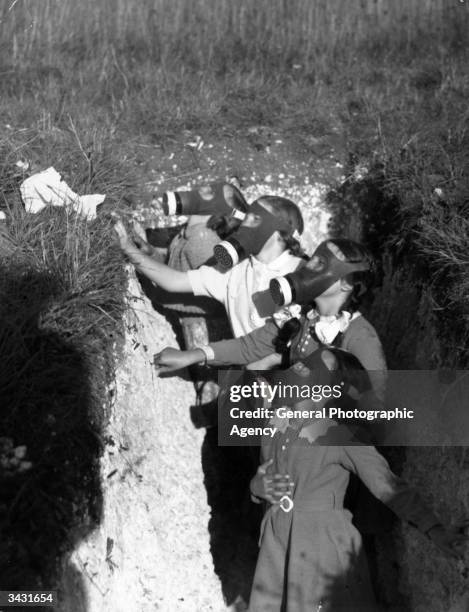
{"points": [[235, 520], [46, 405]]}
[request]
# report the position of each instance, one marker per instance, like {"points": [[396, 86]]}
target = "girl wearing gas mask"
{"points": [[327, 290], [264, 246], [210, 207], [310, 554], [211, 212]]}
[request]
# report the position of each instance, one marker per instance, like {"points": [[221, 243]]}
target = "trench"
{"points": [[177, 531]]}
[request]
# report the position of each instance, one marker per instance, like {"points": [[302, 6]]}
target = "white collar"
{"points": [[314, 314], [279, 264], [327, 328]]}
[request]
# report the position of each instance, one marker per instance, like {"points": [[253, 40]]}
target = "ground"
{"points": [[256, 155]]}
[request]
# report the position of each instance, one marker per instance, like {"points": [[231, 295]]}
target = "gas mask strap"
{"points": [[238, 214]]}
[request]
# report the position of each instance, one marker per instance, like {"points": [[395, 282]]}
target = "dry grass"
{"points": [[253, 29], [62, 297]]}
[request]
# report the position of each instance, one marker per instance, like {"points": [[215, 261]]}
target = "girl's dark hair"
{"points": [[285, 335], [349, 370], [361, 282], [350, 373], [289, 212], [223, 225]]}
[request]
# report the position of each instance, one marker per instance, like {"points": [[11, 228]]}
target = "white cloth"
{"points": [[328, 327], [293, 311], [48, 189], [244, 289]]}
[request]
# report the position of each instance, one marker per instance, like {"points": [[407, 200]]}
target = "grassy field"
{"points": [[83, 82]]}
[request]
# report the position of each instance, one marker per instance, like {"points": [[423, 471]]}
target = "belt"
{"points": [[309, 505]]}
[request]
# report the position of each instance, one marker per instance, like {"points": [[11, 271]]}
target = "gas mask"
{"points": [[215, 198], [250, 237], [326, 266]]}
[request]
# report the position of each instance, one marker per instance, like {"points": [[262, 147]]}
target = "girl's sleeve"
{"points": [[208, 281], [247, 349], [373, 469], [364, 343]]}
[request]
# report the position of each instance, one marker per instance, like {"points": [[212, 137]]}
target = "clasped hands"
{"points": [[270, 487]]}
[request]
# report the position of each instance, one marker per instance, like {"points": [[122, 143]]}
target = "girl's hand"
{"points": [[140, 239], [134, 245], [171, 359], [271, 487], [125, 242], [451, 542]]}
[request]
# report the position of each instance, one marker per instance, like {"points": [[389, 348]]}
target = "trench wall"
{"points": [[151, 551]]}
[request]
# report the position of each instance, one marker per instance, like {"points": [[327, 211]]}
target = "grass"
{"points": [[82, 83], [62, 297], [406, 120]]}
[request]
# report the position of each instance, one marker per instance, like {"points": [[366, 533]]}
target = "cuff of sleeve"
{"points": [[208, 351]]}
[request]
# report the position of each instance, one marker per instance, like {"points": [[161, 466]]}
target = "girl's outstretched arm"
{"points": [[239, 351], [270, 487], [159, 273], [247, 349], [373, 469]]}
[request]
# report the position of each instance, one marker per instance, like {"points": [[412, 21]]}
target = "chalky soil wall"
{"points": [[151, 551]]}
